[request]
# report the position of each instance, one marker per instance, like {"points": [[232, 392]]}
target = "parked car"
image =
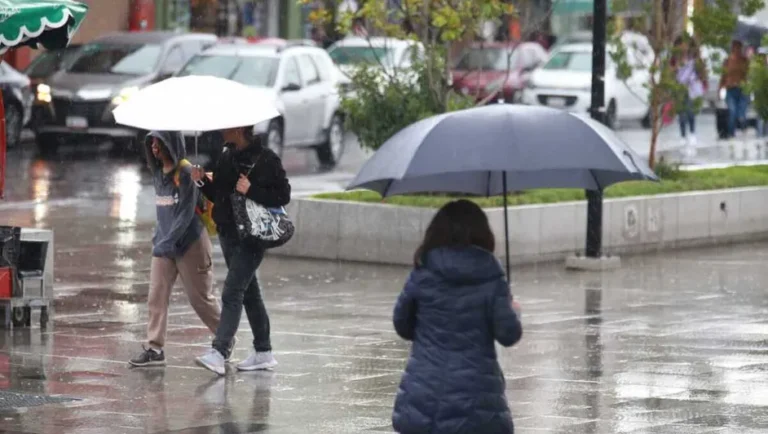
{"points": [[393, 56], [496, 70], [301, 81], [104, 73], [17, 97], [44, 66], [565, 81]]}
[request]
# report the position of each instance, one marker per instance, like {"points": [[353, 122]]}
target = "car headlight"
{"points": [[43, 93], [124, 95], [529, 84], [722, 94]]}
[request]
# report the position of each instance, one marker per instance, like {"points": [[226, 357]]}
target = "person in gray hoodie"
{"points": [[181, 246]]}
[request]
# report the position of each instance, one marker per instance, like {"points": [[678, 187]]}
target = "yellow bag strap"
{"points": [[182, 164]]}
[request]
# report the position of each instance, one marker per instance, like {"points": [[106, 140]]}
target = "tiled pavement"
{"points": [[668, 344]]}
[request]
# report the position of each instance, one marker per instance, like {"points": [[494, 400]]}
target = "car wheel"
{"points": [[13, 125], [275, 138], [330, 152], [610, 115], [47, 143], [646, 121]]}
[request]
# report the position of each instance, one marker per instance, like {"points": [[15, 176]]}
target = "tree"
{"points": [[714, 23], [387, 100]]}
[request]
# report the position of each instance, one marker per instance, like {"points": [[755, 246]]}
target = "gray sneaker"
{"points": [[214, 361], [258, 361]]}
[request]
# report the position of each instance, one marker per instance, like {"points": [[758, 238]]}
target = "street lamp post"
{"points": [[594, 236]]}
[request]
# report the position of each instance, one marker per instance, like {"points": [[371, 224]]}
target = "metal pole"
{"points": [[594, 237], [506, 225]]}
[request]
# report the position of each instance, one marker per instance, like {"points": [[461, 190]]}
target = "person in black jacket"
{"points": [[456, 302], [248, 168]]}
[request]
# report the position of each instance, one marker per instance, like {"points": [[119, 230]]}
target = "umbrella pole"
{"points": [[506, 224], [197, 134]]}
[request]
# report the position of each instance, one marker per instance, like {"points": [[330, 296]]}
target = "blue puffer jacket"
{"points": [[453, 307]]}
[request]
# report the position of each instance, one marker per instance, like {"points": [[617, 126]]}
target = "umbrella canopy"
{"points": [[50, 23], [196, 103], [472, 151]]}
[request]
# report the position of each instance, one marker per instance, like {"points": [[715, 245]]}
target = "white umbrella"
{"points": [[196, 103]]}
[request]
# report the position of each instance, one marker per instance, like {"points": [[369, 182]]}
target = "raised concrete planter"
{"points": [[388, 234]]}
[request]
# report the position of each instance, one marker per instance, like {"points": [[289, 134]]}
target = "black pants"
{"points": [[241, 289]]}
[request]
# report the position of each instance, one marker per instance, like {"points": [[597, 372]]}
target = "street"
{"points": [[670, 343], [98, 183], [656, 347]]}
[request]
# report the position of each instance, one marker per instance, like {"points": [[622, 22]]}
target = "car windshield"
{"points": [[257, 71], [350, 55], [48, 62], [120, 59], [578, 61], [489, 59]]}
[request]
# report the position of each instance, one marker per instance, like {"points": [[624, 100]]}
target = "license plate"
{"points": [[77, 122], [556, 102]]}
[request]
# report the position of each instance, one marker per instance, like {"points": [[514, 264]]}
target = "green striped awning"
{"points": [[50, 23]]}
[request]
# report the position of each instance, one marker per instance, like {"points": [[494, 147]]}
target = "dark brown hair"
{"points": [[460, 223]]}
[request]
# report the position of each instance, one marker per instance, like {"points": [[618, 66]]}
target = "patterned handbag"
{"points": [[255, 223]]}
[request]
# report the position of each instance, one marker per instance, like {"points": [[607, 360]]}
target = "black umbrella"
{"points": [[491, 150]]}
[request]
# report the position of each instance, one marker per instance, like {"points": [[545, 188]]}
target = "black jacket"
{"points": [[269, 184], [453, 308]]}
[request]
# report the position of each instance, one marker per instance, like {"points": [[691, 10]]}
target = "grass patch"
{"points": [[678, 182]]}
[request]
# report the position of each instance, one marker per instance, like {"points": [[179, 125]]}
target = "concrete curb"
{"points": [[387, 234]]}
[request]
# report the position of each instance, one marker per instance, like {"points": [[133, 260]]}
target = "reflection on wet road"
{"points": [[668, 344]]}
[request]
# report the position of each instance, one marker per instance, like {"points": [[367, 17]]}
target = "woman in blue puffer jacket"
{"points": [[455, 304]]}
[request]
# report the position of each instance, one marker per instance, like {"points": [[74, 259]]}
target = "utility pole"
{"points": [[594, 237]]}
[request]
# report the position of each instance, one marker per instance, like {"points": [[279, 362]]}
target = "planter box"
{"points": [[388, 234]]}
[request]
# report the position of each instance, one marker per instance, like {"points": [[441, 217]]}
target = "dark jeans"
{"points": [[737, 103], [241, 290], [687, 118]]}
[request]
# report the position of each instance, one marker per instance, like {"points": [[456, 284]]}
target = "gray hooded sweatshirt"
{"points": [[177, 225]]}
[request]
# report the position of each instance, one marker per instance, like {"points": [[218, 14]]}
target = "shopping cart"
{"points": [[22, 278]]}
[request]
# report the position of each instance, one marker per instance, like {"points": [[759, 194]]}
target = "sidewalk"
{"points": [[674, 343]]}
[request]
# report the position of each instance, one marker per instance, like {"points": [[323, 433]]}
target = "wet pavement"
{"points": [[676, 343]]}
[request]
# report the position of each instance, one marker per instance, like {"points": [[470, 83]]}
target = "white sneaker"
{"points": [[692, 140], [258, 361], [214, 361], [684, 142]]}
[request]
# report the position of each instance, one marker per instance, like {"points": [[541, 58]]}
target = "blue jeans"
{"points": [[737, 109], [687, 118], [241, 290]]}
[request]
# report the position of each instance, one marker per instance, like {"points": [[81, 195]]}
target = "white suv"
{"points": [[301, 81]]}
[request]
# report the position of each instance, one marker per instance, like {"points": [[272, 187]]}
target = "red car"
{"points": [[495, 72]]}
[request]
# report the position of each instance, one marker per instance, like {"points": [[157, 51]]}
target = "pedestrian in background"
{"points": [[245, 167], [691, 73], [455, 304], [735, 70], [181, 246]]}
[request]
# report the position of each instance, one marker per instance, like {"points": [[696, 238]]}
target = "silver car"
{"points": [[302, 83]]}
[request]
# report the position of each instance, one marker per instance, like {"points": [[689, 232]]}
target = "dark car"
{"points": [[496, 70], [44, 66], [103, 74], [17, 97]]}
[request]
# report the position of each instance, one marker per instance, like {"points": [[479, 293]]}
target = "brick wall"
{"points": [[104, 16]]}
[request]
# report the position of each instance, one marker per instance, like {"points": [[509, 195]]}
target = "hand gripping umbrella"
{"points": [[491, 150], [35, 23]]}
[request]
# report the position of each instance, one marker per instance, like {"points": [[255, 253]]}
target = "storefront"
{"points": [[260, 18], [573, 16]]}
